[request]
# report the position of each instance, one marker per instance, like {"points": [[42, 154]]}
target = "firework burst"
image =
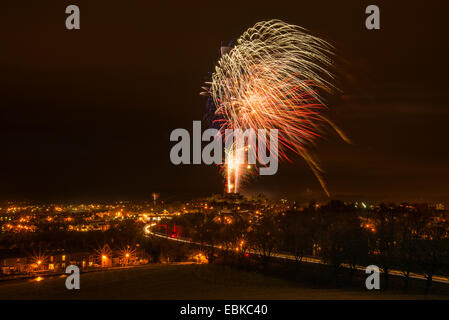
{"points": [[273, 78]]}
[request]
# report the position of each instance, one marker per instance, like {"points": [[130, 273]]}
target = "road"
{"points": [[436, 278]]}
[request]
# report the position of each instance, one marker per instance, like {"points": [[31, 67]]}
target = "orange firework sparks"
{"points": [[273, 78]]}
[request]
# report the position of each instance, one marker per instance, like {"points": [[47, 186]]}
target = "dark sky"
{"points": [[87, 114]]}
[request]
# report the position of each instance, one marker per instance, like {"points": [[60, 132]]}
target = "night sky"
{"points": [[86, 114]]}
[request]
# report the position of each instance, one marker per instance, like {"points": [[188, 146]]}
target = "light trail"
{"points": [[436, 278]]}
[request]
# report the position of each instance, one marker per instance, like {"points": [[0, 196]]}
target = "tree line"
{"points": [[401, 238]]}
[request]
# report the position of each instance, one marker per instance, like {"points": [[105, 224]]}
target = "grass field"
{"points": [[182, 281]]}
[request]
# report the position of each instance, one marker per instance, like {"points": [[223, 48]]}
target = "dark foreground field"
{"points": [[181, 281]]}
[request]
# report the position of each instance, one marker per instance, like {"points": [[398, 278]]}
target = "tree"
{"points": [[264, 235], [297, 237], [384, 241], [341, 238], [433, 250], [411, 230]]}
